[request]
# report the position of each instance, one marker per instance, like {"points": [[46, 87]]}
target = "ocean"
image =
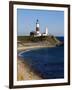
{"points": [[61, 38], [46, 62]]}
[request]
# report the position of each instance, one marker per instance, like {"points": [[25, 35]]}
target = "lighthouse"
{"points": [[37, 25], [38, 28], [37, 32]]}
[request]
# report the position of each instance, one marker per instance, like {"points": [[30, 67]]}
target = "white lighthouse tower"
{"points": [[38, 28], [46, 30]]}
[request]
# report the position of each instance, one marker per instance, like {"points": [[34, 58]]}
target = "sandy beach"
{"points": [[24, 72]]}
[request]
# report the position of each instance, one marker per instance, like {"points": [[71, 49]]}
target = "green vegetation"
{"points": [[50, 39]]}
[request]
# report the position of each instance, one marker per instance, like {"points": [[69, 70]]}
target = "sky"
{"points": [[26, 21]]}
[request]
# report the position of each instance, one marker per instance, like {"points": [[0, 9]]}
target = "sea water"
{"points": [[46, 62]]}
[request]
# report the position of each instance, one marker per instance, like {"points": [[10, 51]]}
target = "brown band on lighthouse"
{"points": [[37, 29]]}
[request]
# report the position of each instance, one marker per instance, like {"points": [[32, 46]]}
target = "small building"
{"points": [[32, 33]]}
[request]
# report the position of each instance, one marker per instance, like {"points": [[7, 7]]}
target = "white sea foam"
{"points": [[20, 54]]}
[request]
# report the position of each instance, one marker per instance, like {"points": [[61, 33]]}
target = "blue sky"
{"points": [[26, 21]]}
